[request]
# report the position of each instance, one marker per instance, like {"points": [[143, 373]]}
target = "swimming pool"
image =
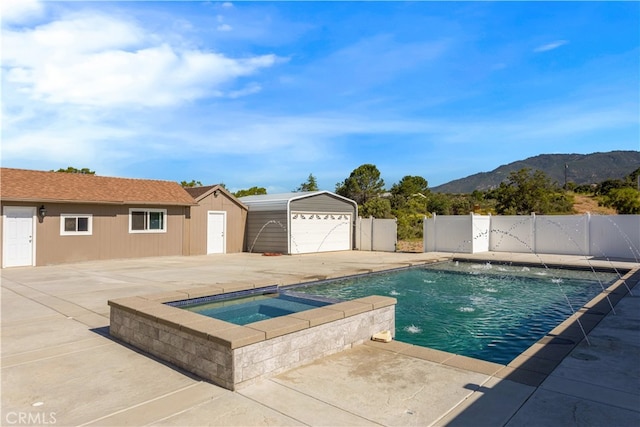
{"points": [[488, 312]]}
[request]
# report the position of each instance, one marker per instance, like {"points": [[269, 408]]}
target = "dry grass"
{"points": [[410, 245], [583, 204]]}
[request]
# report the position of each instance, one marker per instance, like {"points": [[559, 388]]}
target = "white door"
{"points": [[216, 232], [320, 232], [18, 235]]}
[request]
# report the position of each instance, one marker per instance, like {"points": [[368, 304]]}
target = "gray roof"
{"points": [[282, 200], [280, 196]]}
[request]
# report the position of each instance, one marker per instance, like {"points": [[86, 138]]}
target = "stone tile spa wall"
{"points": [[232, 356]]}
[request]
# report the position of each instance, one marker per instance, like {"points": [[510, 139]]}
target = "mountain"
{"points": [[581, 169]]}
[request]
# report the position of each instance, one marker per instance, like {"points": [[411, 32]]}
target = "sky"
{"points": [[266, 93]]}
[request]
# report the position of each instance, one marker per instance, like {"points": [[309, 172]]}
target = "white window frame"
{"points": [[147, 211], [89, 231]]}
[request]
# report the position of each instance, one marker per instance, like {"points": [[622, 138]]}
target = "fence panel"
{"points": [[481, 225], [373, 234], [364, 230], [385, 235], [562, 234], [615, 236], [448, 233], [512, 233]]}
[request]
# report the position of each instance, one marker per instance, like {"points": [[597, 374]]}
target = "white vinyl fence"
{"points": [[373, 234], [606, 236], [457, 233]]}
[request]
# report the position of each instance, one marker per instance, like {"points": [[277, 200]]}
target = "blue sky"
{"points": [[265, 93]]}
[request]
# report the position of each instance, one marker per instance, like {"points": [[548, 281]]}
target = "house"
{"points": [[217, 221], [56, 217], [297, 223]]}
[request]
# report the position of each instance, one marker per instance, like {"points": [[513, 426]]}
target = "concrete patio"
{"points": [[61, 367]]}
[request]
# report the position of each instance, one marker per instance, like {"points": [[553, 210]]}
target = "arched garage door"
{"points": [[320, 232]]}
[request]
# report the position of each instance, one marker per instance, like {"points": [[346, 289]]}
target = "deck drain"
{"points": [[584, 356]]}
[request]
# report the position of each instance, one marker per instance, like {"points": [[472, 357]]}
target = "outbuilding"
{"points": [[57, 217], [216, 223], [298, 223]]}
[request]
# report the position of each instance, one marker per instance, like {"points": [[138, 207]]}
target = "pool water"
{"points": [[249, 309], [488, 312]]}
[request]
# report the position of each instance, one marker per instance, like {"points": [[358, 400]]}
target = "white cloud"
{"points": [[247, 90], [20, 11], [99, 60], [550, 46], [224, 27]]}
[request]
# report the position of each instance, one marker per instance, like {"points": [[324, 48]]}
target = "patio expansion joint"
{"points": [[310, 396], [147, 402], [39, 358], [55, 307]]}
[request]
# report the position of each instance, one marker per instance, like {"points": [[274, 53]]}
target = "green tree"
{"points": [[439, 204], [610, 184], [362, 185], [634, 179], [253, 191], [406, 188], [192, 183], [310, 185], [410, 185], [71, 169], [377, 208], [625, 200], [525, 192], [461, 205], [411, 216]]}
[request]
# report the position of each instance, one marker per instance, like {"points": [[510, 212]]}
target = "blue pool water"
{"points": [[249, 309], [488, 312]]}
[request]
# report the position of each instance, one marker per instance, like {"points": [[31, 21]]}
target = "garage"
{"points": [[299, 223]]}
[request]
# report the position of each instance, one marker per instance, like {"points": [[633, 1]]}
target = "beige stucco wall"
{"points": [[110, 238]]}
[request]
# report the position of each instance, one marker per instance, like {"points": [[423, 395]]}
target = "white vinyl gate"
{"points": [[320, 232], [376, 234]]}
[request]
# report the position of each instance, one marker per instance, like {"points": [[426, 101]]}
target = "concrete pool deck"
{"points": [[61, 367]]}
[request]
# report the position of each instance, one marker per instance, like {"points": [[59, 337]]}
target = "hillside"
{"points": [[581, 169]]}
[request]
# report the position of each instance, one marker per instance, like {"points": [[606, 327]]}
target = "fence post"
{"points": [[371, 219], [424, 234], [533, 232], [587, 234]]}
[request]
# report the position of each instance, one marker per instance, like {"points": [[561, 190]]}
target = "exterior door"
{"points": [[216, 232], [18, 236]]}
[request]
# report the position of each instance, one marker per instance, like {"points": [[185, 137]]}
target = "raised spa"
{"points": [[233, 355], [253, 305]]}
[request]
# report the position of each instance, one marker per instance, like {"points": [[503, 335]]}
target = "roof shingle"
{"points": [[41, 186]]}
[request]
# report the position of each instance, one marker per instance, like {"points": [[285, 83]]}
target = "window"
{"points": [[76, 224], [147, 220]]}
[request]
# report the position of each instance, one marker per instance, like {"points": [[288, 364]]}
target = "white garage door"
{"points": [[320, 232]]}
